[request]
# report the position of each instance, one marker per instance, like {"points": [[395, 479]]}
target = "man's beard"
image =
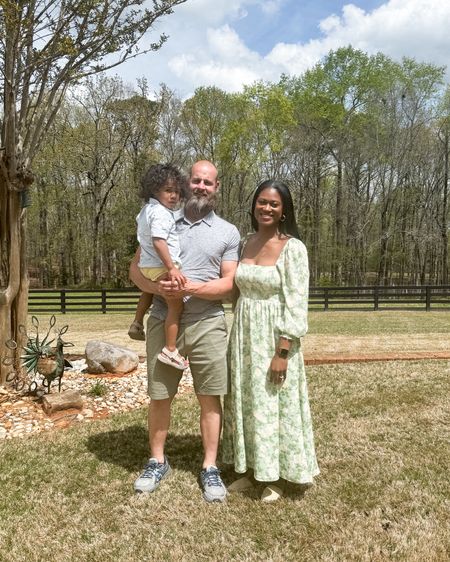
{"points": [[198, 206]]}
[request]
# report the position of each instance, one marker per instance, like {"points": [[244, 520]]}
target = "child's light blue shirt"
{"points": [[157, 221]]}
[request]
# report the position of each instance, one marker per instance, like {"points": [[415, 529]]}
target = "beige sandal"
{"points": [[136, 331], [272, 493], [241, 485], [173, 358]]}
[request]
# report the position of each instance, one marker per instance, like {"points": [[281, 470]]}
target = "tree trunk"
{"points": [[444, 221], [338, 250], [14, 278]]}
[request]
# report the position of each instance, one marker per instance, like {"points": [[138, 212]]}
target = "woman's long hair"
{"points": [[289, 225]]}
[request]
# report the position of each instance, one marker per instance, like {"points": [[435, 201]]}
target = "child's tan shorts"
{"points": [[154, 273]]}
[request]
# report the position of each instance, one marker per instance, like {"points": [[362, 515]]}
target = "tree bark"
{"points": [[444, 232], [14, 289]]}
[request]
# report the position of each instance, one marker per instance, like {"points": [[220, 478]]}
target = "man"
{"points": [[209, 256]]}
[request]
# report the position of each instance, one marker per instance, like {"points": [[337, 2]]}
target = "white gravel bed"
{"points": [[102, 395]]}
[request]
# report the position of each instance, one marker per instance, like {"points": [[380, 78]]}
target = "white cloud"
{"points": [[224, 61], [271, 7], [416, 28], [204, 49], [207, 12]]}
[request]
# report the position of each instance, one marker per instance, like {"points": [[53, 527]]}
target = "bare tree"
{"points": [[46, 47]]}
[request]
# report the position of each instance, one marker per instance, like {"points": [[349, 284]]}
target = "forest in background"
{"points": [[362, 141]]}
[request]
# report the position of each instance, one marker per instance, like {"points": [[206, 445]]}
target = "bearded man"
{"points": [[209, 254]]}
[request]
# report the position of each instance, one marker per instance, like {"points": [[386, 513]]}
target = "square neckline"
{"points": [[278, 258]]}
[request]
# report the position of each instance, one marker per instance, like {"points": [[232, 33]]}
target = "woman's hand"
{"points": [[278, 368]]}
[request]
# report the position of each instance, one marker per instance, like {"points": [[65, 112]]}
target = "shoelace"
{"points": [[152, 469], [212, 477]]}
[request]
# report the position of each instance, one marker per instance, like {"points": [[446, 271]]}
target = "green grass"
{"points": [[359, 323], [331, 322], [383, 493], [114, 327]]}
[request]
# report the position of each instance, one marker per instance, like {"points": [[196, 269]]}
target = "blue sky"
{"points": [[230, 43], [296, 20]]}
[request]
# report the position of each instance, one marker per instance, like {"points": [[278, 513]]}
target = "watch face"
{"points": [[283, 353]]}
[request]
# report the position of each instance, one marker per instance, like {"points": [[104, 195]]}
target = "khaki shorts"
{"points": [[154, 273], [204, 343]]}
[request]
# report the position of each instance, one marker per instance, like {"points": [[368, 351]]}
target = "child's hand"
{"points": [[176, 277]]}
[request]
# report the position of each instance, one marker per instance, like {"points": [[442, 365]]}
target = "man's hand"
{"points": [[171, 289]]}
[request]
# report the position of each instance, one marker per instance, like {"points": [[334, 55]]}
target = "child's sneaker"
{"points": [[173, 358], [136, 331]]}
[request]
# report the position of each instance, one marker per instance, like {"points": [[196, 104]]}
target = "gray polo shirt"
{"points": [[205, 244]]}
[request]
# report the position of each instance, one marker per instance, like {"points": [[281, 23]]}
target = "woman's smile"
{"points": [[269, 207]]}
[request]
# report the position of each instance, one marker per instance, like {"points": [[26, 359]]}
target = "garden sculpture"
{"points": [[40, 357]]}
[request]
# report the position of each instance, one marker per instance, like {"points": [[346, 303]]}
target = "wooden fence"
{"points": [[405, 297]]}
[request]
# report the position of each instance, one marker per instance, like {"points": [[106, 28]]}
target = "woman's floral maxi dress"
{"points": [[268, 428]]}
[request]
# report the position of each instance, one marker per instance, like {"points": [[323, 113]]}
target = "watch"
{"points": [[282, 352]]}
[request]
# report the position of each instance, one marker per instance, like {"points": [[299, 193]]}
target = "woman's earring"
{"points": [[283, 218]]}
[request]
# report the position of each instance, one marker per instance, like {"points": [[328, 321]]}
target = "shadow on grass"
{"points": [[128, 448]]}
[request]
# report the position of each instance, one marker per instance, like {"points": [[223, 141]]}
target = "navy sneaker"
{"points": [[152, 475], [213, 488]]}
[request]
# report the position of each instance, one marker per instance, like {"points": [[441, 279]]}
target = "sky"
{"points": [[232, 43]]}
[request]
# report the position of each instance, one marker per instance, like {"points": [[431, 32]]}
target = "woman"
{"points": [[267, 424]]}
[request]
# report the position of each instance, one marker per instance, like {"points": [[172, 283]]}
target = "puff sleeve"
{"points": [[294, 273], [160, 221]]}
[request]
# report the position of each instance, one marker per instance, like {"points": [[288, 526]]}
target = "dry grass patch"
{"points": [[372, 334], [383, 494]]}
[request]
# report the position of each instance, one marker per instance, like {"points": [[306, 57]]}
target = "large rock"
{"points": [[62, 401], [103, 357]]}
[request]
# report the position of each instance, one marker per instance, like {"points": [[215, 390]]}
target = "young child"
{"points": [[163, 186]]}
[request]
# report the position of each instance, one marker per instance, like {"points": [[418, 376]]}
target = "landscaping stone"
{"points": [[62, 401], [104, 357]]}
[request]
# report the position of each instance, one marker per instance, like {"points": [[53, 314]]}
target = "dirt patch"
{"points": [[338, 349]]}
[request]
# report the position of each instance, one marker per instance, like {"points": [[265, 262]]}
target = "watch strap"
{"points": [[282, 352]]}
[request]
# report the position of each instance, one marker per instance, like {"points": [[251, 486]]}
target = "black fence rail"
{"points": [[63, 301], [399, 297], [404, 297]]}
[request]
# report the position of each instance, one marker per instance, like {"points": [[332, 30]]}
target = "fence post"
{"points": [[63, 301], [376, 296], [428, 298], [325, 294], [103, 301]]}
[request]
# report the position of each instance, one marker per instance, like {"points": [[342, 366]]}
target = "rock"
{"points": [[103, 357], [62, 401]]}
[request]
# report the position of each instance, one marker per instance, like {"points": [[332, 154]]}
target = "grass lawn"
{"points": [[383, 494], [329, 332], [331, 322], [360, 323]]}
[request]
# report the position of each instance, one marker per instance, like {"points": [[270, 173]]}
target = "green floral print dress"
{"points": [[268, 428]]}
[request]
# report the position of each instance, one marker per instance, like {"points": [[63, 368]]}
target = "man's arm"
{"points": [[141, 282], [214, 290]]}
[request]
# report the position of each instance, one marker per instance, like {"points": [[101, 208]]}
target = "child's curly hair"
{"points": [[157, 176]]}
